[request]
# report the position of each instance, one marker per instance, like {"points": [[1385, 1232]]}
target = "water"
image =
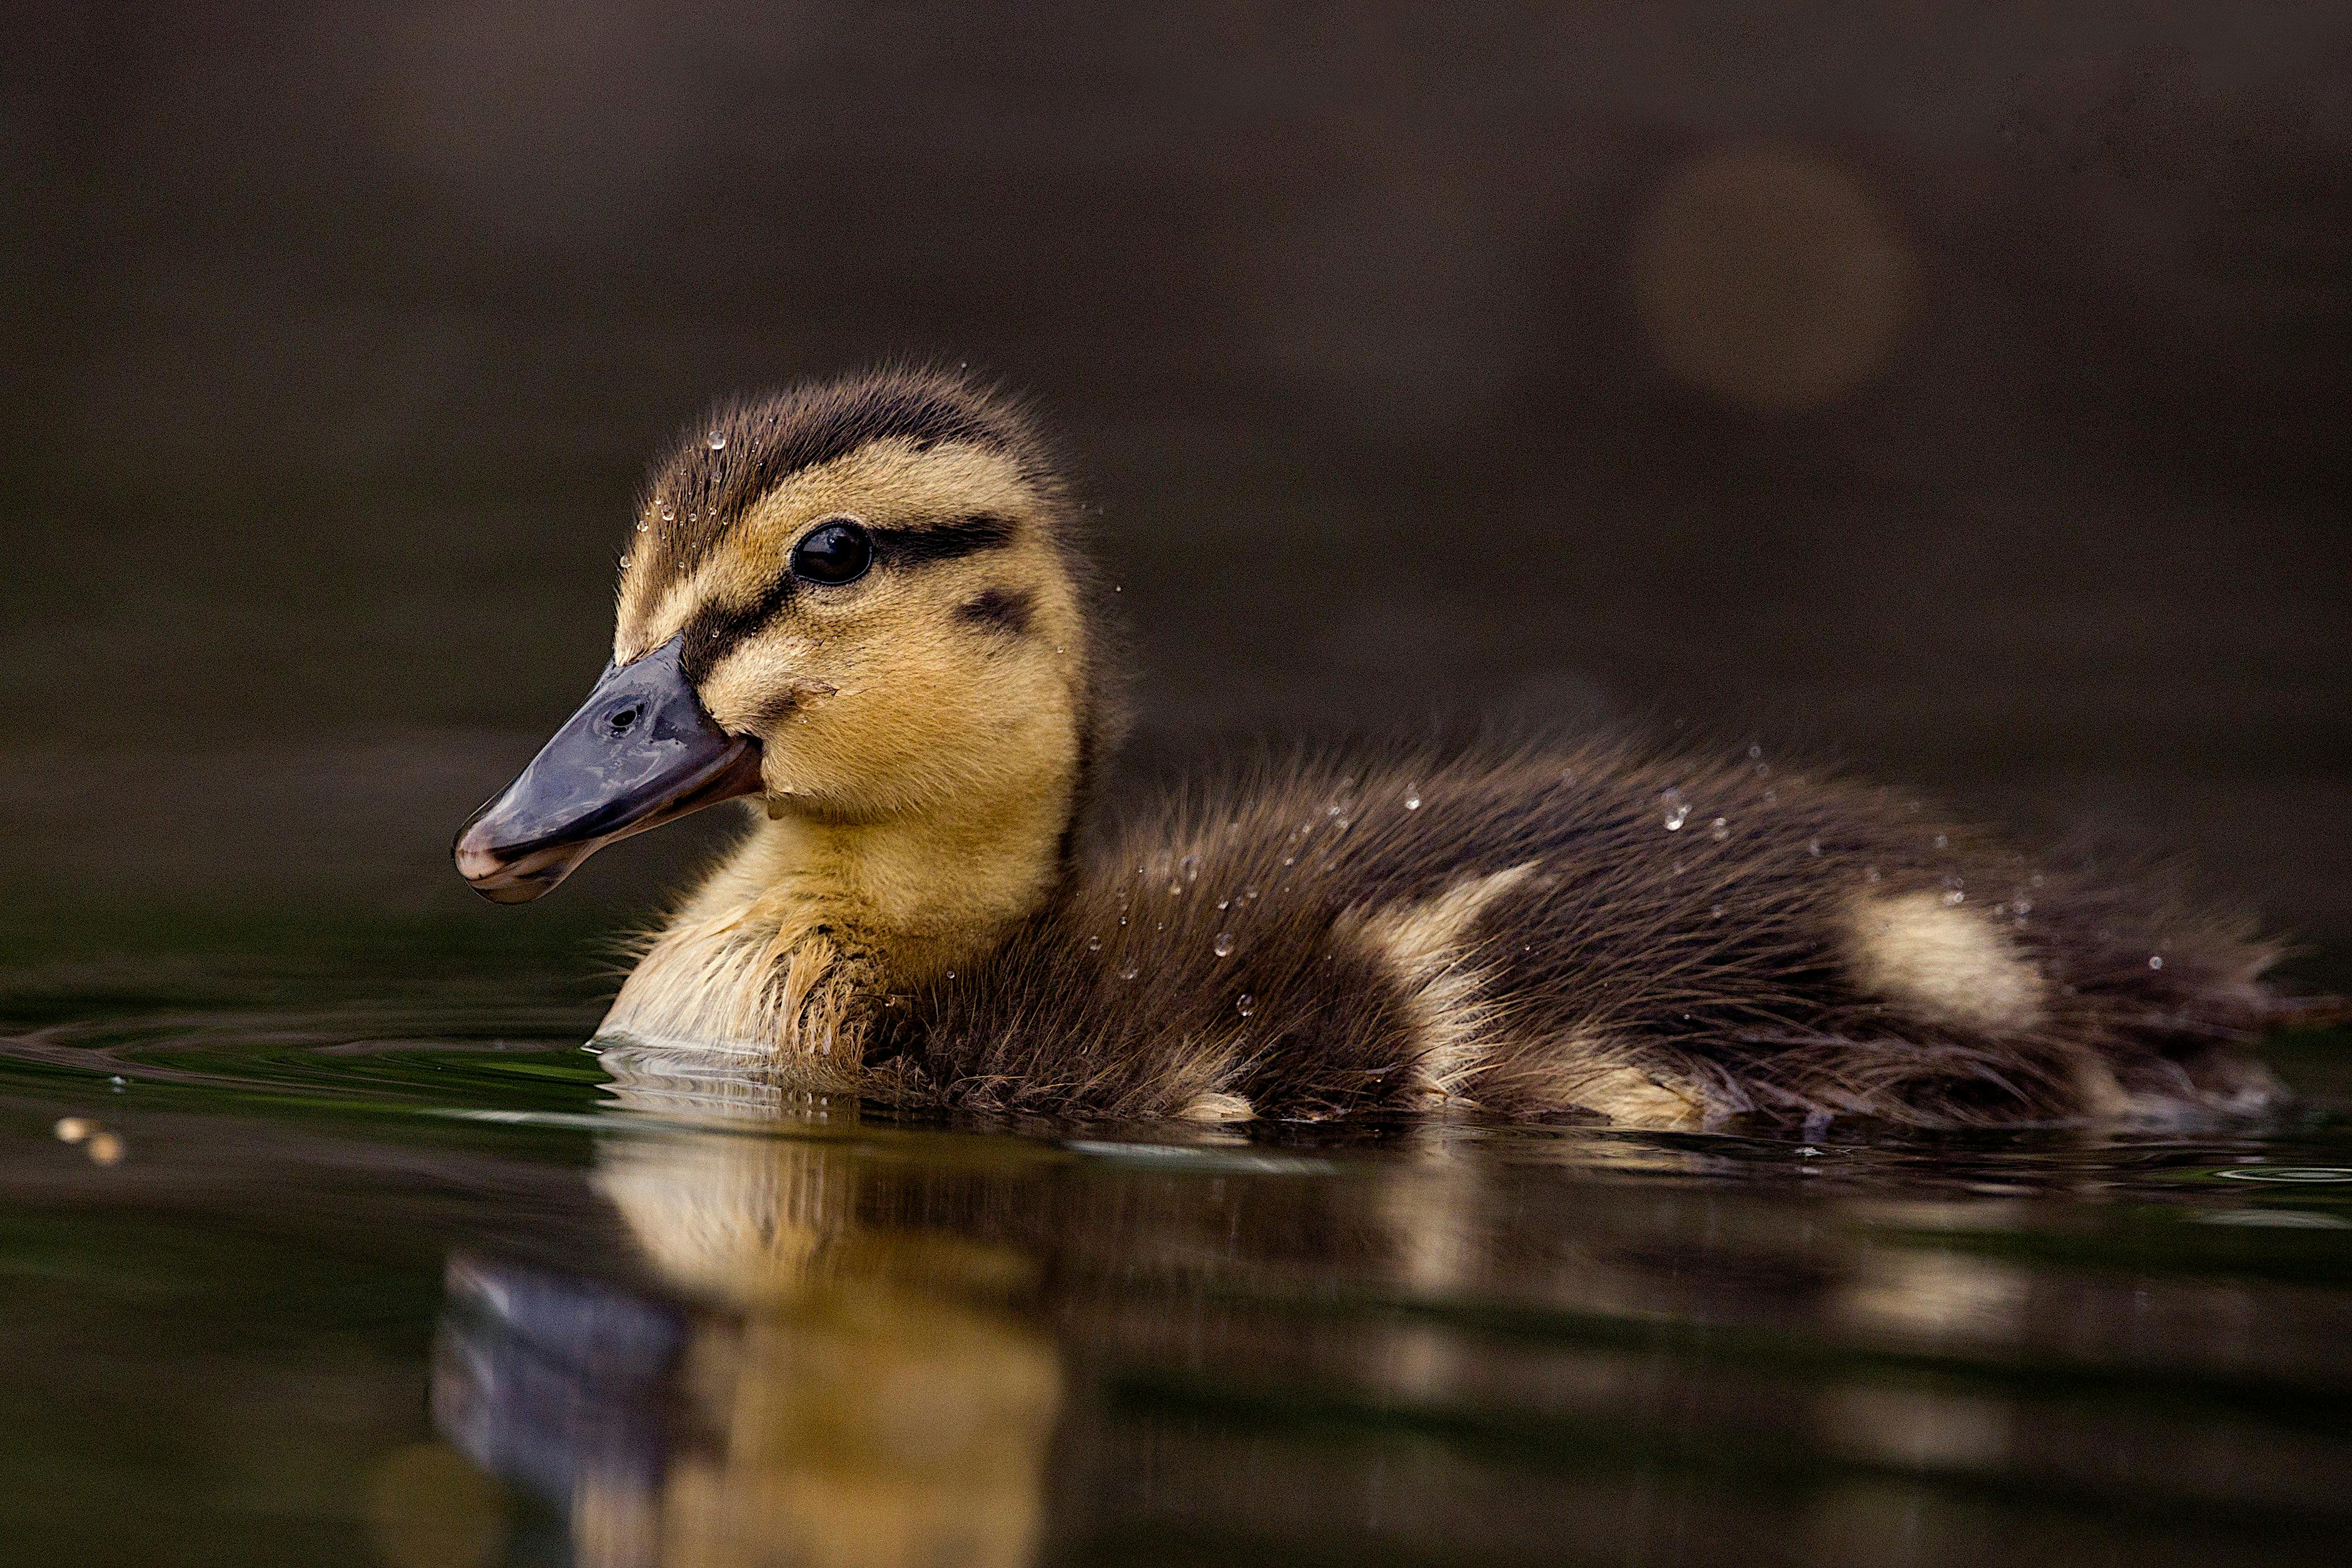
{"points": [[385, 1268]]}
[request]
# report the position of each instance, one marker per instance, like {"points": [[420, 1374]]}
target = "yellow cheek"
{"points": [[761, 678], [872, 709]]}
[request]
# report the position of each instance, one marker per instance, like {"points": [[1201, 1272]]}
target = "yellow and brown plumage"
{"points": [[867, 603]]}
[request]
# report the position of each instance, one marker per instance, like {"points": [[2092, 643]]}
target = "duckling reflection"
{"points": [[1463, 1342], [834, 1391]]}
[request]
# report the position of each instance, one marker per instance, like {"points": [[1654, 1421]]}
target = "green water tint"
{"points": [[370, 1261]]}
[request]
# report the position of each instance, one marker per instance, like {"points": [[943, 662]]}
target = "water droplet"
{"points": [[642, 526], [1094, 944], [625, 563], [1191, 866], [716, 441], [1956, 897], [1250, 893], [1175, 890], [2024, 906], [950, 974], [1754, 752], [1129, 972], [1943, 840], [1413, 796], [1676, 818], [1225, 904], [1246, 1005], [1223, 945], [1720, 829], [1715, 914], [2156, 961], [1813, 848], [1290, 859], [669, 513]]}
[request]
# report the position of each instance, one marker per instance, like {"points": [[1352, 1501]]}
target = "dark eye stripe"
{"points": [[942, 541], [715, 629]]}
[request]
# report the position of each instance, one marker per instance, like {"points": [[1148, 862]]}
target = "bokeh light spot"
{"points": [[1771, 278]]}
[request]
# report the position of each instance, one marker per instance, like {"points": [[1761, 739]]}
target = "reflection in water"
{"points": [[692, 1320], [839, 1386], [844, 1343]]}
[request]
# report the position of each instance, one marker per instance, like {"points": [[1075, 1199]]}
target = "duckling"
{"points": [[868, 604]]}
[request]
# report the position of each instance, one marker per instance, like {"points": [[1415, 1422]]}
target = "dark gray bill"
{"points": [[640, 752]]}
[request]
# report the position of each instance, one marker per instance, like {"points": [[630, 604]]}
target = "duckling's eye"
{"points": [[834, 553]]}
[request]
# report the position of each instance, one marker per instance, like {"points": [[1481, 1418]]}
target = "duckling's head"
{"points": [[861, 599]]}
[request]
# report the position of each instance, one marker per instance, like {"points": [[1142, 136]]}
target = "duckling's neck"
{"points": [[816, 917], [921, 892]]}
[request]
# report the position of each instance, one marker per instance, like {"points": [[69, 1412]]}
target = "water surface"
{"points": [[371, 1261]]}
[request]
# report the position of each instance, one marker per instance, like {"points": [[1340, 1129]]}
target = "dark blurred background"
{"points": [[1956, 390]]}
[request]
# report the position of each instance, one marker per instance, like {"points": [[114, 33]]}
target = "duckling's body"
{"points": [[1662, 942], [926, 915]]}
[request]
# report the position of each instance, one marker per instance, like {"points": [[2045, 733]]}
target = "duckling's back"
{"points": [[1661, 941]]}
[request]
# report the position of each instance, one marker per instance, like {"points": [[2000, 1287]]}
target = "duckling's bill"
{"points": [[640, 752]]}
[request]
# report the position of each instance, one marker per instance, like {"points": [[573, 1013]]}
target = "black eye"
{"points": [[624, 719], [833, 553]]}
